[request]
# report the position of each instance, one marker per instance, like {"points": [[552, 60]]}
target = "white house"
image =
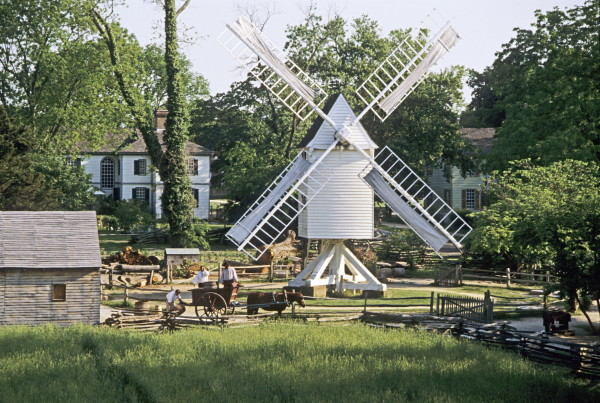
{"points": [[122, 169], [464, 191]]}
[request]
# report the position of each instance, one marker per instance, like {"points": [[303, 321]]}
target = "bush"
{"points": [[131, 215], [404, 242]]}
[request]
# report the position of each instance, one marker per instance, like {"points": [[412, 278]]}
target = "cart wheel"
{"points": [[199, 311], [214, 304]]}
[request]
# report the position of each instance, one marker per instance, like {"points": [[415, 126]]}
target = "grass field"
{"points": [[276, 362]]}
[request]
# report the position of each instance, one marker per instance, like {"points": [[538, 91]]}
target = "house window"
{"points": [[139, 167], [470, 199], [107, 173], [193, 166], [141, 194], [73, 162], [196, 197], [59, 292]]}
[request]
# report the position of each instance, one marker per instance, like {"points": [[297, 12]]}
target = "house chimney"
{"points": [[160, 119]]}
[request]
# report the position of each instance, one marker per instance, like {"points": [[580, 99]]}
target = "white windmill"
{"points": [[331, 183]]}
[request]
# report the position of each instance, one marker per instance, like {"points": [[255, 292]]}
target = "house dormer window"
{"points": [[140, 167], [107, 173], [193, 167]]}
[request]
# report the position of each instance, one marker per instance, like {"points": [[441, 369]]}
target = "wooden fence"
{"points": [[471, 309], [453, 277]]}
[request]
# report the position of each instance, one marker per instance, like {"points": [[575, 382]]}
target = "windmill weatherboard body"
{"points": [[330, 185]]}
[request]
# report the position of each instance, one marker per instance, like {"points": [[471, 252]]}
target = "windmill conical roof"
{"points": [[321, 134]]}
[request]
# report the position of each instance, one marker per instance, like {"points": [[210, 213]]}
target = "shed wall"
{"points": [[26, 296]]}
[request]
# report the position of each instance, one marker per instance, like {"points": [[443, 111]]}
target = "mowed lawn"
{"points": [[275, 362]]}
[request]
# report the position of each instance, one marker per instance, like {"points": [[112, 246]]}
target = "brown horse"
{"points": [[273, 301]]}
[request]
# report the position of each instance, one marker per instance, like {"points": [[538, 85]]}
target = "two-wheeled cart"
{"points": [[214, 302]]}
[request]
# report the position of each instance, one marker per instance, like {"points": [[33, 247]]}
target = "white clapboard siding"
{"points": [[344, 207], [342, 114], [26, 296]]}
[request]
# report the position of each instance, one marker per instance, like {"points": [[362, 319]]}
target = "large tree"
{"points": [[54, 77], [256, 136], [543, 90], [549, 217], [36, 180], [171, 161]]}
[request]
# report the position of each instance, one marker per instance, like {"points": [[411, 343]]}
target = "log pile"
{"points": [[131, 257], [289, 247]]}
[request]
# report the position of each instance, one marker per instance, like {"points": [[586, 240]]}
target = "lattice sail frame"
{"points": [[284, 211], [404, 69], [414, 190], [279, 74]]}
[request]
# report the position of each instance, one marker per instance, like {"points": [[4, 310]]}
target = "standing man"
{"points": [[171, 298], [228, 275], [201, 277]]}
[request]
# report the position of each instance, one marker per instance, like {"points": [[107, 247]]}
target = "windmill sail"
{"points": [[279, 205], [279, 74], [414, 201], [404, 69]]}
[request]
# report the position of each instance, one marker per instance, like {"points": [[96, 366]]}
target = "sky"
{"points": [[483, 25]]}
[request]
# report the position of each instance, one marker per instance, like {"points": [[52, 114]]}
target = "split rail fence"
{"points": [[454, 276]]}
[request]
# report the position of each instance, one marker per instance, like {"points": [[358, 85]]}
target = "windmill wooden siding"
{"points": [[49, 268], [344, 208]]}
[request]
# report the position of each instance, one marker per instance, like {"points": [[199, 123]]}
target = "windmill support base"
{"points": [[329, 268]]}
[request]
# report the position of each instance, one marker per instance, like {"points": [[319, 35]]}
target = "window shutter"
{"points": [[195, 167], [133, 193], [196, 197], [147, 195], [464, 198], [136, 168], [78, 162], [477, 201]]}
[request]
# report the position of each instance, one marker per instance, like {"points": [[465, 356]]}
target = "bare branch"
{"points": [[183, 7]]}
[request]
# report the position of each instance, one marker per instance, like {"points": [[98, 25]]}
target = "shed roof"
{"points": [[182, 251], [482, 138], [49, 239]]}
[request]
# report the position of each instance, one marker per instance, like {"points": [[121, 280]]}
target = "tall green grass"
{"points": [[276, 362]]}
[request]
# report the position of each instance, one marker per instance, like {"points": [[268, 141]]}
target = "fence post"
{"points": [[293, 308], [126, 295], [488, 306], [366, 293], [437, 310], [547, 276], [431, 304], [508, 277], [110, 278], [271, 270]]}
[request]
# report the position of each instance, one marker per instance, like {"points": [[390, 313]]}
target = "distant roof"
{"points": [[133, 143], [182, 251], [49, 239], [481, 138]]}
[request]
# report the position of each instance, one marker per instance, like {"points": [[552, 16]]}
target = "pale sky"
{"points": [[484, 25]]}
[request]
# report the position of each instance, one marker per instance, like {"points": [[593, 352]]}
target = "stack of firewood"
{"points": [[129, 256]]}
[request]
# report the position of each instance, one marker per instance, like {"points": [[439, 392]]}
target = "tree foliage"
{"points": [[36, 180], [548, 216], [543, 89], [255, 136]]}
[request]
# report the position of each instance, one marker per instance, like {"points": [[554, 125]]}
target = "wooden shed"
{"points": [[49, 268], [175, 256]]}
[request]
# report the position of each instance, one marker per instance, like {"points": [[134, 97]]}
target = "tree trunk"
{"points": [[177, 199], [590, 322]]}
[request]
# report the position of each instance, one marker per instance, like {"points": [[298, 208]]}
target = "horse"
{"points": [[273, 301]]}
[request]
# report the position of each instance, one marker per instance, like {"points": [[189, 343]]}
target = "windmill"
{"points": [[330, 185]]}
